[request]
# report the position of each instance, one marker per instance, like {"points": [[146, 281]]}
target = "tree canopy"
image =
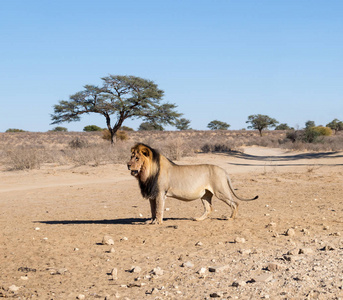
{"points": [[123, 97], [218, 125], [261, 122], [335, 125], [182, 124]]}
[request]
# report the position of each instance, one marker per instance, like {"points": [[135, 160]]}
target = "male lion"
{"points": [[159, 178]]}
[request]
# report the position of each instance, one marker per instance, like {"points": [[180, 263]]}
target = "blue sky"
{"points": [[215, 59]]}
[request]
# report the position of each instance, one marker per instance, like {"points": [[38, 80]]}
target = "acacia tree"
{"points": [[261, 122], [125, 97], [335, 125], [218, 125], [183, 124]]}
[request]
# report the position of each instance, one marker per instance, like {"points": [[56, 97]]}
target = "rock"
{"points": [[271, 224], [239, 240], [273, 267], [293, 252], [14, 288], [107, 240], [216, 295], [305, 251], [239, 283], [136, 269], [265, 277], [112, 250], [290, 232], [188, 264], [327, 248], [202, 271], [114, 274], [81, 297], [199, 244], [245, 251], [157, 271], [24, 277], [219, 268]]}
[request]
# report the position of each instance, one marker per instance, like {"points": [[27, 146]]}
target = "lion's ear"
{"points": [[146, 152]]}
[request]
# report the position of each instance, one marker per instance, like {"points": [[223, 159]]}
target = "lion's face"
{"points": [[139, 162]]}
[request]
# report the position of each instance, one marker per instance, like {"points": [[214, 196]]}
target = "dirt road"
{"points": [[286, 245]]}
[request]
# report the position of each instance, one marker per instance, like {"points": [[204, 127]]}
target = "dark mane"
{"points": [[149, 188]]}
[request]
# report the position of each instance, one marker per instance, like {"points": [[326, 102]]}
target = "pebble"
{"points": [[263, 278], [202, 270], [239, 283], [199, 244], [239, 240], [290, 232], [219, 268], [81, 297], [305, 251], [14, 288], [188, 264], [272, 267], [136, 269], [107, 240], [114, 274], [157, 271]]}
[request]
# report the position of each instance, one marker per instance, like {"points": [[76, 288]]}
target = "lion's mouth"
{"points": [[134, 172]]}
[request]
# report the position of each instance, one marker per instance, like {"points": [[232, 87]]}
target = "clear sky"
{"points": [[215, 59]]}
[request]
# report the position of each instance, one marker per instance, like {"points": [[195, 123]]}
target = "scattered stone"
{"points": [[265, 277], [14, 288], [81, 297], [245, 251], [136, 269], [202, 271], [37, 228], [239, 240], [76, 249], [112, 250], [107, 240], [167, 209], [26, 269], [239, 283], [293, 252], [219, 268], [271, 224], [305, 251], [290, 232], [273, 267], [24, 277], [327, 248], [124, 239], [305, 231], [188, 264], [216, 295], [157, 271], [114, 274], [326, 227], [199, 244]]}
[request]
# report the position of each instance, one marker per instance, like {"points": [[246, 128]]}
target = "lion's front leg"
{"points": [[153, 210], [159, 208]]}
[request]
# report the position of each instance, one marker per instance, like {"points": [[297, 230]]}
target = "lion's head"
{"points": [[144, 162]]}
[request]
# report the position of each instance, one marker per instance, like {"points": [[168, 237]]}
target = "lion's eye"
{"points": [[137, 159]]}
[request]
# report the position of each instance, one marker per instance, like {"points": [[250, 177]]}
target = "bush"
{"points": [[120, 135], [325, 131], [23, 159], [14, 130], [60, 129], [90, 128], [78, 143]]}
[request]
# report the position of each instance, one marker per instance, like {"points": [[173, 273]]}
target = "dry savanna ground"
{"points": [[288, 244]]}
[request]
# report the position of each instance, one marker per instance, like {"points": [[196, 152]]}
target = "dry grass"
{"points": [[31, 150]]}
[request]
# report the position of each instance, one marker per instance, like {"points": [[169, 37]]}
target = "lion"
{"points": [[159, 177]]}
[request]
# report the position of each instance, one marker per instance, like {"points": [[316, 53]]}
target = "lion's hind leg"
{"points": [[227, 198], [207, 202]]}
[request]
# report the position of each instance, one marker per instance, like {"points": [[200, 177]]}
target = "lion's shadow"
{"points": [[124, 221]]}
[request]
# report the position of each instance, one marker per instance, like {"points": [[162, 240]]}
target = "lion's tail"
{"points": [[233, 191]]}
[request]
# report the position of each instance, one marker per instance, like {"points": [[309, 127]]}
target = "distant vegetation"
{"points": [[14, 130], [90, 128]]}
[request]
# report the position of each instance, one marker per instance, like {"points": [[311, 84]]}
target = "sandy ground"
{"points": [[288, 244]]}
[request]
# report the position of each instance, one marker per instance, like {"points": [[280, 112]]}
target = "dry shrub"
{"points": [[120, 135], [175, 149], [23, 158]]}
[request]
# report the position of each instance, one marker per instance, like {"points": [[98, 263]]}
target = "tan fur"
{"points": [[181, 182]]}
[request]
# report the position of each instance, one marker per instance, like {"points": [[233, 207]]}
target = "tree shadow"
{"points": [[300, 156], [124, 221]]}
